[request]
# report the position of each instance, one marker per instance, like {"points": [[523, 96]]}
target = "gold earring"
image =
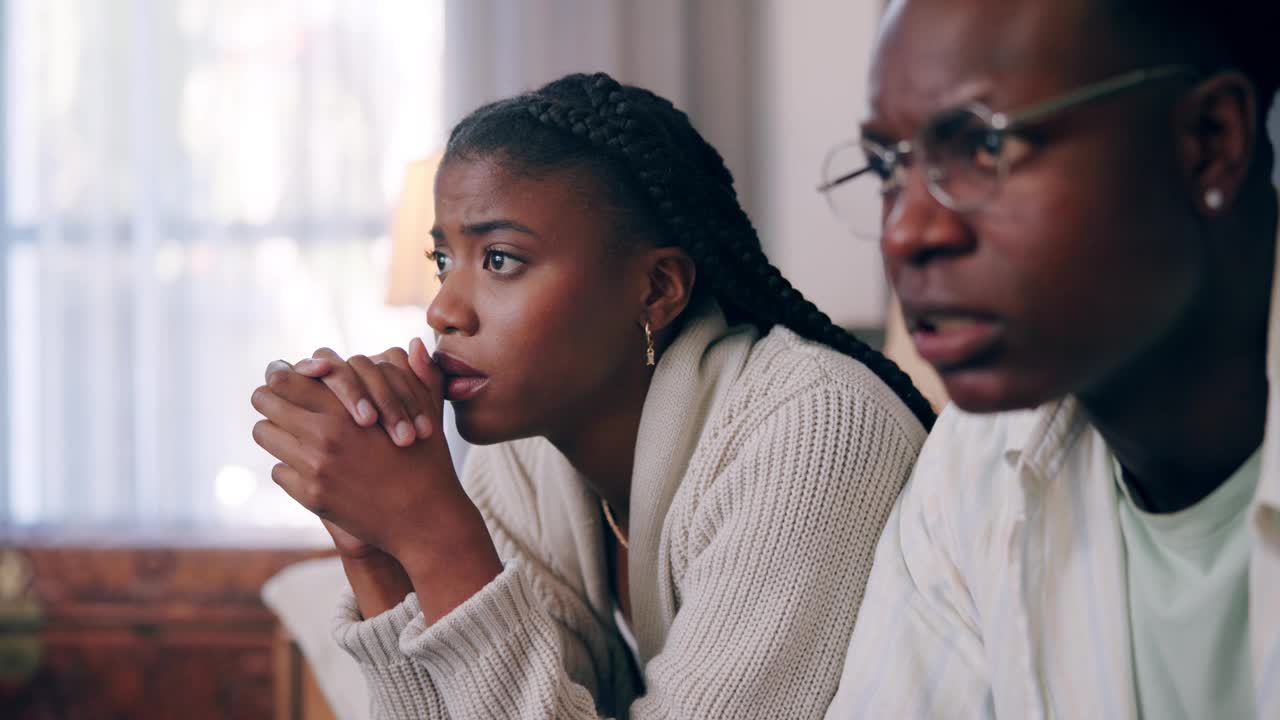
{"points": [[648, 341]]}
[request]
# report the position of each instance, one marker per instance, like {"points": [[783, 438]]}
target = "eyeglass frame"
{"points": [[897, 157]]}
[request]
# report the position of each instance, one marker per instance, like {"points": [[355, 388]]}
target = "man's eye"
{"points": [[989, 149], [881, 168]]}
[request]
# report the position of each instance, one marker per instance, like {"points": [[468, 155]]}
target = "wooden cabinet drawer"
{"points": [[153, 632]]}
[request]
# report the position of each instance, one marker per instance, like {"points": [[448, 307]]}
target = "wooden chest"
{"points": [[151, 630]]}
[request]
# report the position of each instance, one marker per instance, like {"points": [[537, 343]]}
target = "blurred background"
{"points": [[193, 188]]}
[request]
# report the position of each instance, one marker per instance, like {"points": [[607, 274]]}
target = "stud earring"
{"points": [[1214, 199], [649, 360]]}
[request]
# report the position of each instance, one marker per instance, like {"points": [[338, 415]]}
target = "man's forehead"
{"points": [[935, 53]]}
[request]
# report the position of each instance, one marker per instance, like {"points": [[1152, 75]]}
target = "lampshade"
{"points": [[412, 279]]}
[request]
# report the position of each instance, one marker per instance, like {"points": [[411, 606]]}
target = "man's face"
{"points": [[1088, 255]]}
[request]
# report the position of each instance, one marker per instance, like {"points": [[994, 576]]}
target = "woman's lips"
{"points": [[949, 341], [458, 389], [461, 381]]}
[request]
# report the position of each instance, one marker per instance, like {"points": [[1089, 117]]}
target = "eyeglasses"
{"points": [[965, 152]]}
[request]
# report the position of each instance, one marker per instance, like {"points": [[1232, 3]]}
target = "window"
{"points": [[192, 188]]}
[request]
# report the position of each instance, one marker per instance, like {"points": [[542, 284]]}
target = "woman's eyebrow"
{"points": [[485, 227]]}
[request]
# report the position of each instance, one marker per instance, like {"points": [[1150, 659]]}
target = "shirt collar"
{"points": [[1041, 438]]}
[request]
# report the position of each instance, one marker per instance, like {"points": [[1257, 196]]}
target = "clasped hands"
{"points": [[359, 444]]}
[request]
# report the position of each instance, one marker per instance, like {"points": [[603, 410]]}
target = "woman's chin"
{"points": [[481, 429]]}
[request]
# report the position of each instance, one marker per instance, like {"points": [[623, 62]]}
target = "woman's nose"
{"points": [[452, 312]]}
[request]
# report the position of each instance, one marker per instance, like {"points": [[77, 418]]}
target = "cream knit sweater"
{"points": [[764, 472]]}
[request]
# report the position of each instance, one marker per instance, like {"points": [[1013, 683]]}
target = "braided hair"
{"points": [[666, 181]]}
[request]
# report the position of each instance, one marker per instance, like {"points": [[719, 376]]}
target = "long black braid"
{"points": [[669, 181]]}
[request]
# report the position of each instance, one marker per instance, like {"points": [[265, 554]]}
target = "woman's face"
{"points": [[537, 314], [1090, 255]]}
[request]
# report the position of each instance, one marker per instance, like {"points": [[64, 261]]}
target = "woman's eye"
{"points": [[501, 263], [443, 262]]}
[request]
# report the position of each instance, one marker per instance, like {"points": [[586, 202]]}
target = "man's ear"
{"points": [[1217, 131], [669, 285]]}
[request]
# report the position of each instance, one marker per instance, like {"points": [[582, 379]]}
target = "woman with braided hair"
{"points": [[683, 465]]}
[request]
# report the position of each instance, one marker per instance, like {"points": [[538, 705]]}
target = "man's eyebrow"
{"points": [[875, 135], [962, 95]]}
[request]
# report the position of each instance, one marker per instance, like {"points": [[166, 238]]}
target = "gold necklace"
{"points": [[613, 525]]}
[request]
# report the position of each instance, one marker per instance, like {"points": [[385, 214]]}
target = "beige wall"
{"points": [[813, 59]]}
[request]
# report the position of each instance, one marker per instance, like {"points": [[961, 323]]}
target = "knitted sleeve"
{"points": [[780, 541], [499, 654], [484, 659], [398, 687], [781, 544]]}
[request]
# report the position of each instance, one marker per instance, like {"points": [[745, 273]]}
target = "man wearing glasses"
{"points": [[1074, 202]]}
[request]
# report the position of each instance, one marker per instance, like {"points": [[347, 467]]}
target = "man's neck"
{"points": [[1186, 415], [1178, 441]]}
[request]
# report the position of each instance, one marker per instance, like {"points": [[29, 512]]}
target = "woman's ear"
{"points": [[1217, 133], [669, 287]]}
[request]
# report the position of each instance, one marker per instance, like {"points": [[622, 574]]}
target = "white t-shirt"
{"points": [[1188, 582]]}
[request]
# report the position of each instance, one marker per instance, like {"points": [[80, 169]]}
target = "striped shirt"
{"points": [[999, 585]]}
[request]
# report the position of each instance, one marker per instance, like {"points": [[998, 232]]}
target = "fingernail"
{"points": [[404, 431], [423, 425], [304, 363], [364, 410]]}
